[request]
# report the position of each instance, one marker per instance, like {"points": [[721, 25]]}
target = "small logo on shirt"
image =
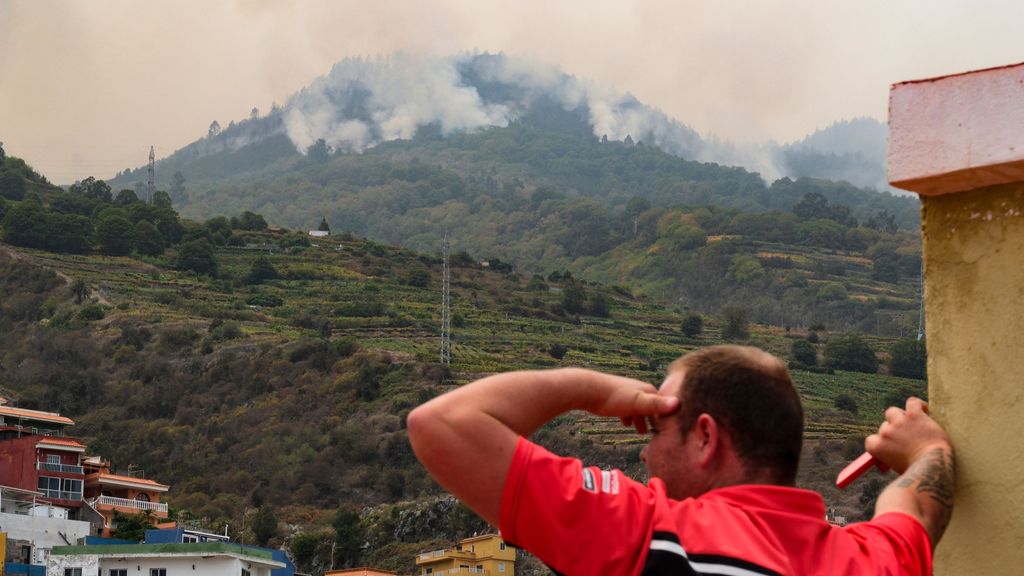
{"points": [[609, 482], [589, 484]]}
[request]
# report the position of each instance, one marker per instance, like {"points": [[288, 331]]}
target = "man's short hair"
{"points": [[750, 394]]}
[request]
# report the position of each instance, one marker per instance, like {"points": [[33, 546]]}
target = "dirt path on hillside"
{"points": [[15, 255]]}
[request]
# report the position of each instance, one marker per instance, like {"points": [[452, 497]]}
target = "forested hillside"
{"points": [[281, 380], [259, 371], [704, 235]]}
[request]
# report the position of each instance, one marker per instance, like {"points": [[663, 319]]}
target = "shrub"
{"points": [[135, 336], [419, 278], [803, 352], [558, 351], [735, 324], [692, 325], [850, 352], [197, 256], [261, 270], [90, 313], [226, 331], [344, 347], [898, 397], [598, 305], [847, 403], [177, 338]]}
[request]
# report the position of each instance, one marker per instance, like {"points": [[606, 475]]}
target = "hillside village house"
{"points": [[487, 554], [51, 494], [206, 559], [359, 572]]}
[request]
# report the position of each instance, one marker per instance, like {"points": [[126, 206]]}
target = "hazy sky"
{"points": [[86, 86]]}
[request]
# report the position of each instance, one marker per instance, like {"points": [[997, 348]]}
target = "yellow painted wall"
{"points": [[974, 298]]}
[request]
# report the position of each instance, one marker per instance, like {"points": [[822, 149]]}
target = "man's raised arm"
{"points": [[916, 447], [466, 438]]}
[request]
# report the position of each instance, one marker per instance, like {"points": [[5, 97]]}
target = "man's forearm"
{"points": [[525, 400], [924, 490], [467, 437]]}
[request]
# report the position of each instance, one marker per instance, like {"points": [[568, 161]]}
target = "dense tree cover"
{"points": [[90, 215], [17, 178], [12, 186]]}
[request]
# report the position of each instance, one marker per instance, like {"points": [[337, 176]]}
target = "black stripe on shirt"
{"points": [[667, 556]]}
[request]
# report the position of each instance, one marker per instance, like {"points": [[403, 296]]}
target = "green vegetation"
{"points": [[246, 365], [850, 352], [791, 252]]}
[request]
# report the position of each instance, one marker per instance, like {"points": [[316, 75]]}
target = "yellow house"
{"points": [[487, 554]]}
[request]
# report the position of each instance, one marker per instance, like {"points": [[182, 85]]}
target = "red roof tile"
{"points": [[34, 415]]}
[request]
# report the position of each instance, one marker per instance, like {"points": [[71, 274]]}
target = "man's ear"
{"points": [[708, 435]]}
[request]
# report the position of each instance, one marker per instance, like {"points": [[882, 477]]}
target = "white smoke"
{"points": [[394, 96], [363, 102]]}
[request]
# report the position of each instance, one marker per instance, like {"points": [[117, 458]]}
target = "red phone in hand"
{"points": [[857, 468]]}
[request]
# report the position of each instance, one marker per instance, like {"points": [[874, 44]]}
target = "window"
{"points": [[158, 572], [245, 572], [118, 572], [501, 546], [501, 565], [72, 572], [189, 538], [62, 488], [142, 497], [52, 459]]}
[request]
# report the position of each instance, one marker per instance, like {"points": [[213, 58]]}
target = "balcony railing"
{"points": [[70, 468], [32, 429], [129, 503]]}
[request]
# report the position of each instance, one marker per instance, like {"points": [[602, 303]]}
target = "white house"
{"points": [[33, 526], [193, 559]]}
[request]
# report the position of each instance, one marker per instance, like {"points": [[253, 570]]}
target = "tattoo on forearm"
{"points": [[933, 475]]}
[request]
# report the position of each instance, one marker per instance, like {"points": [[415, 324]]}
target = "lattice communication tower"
{"points": [[446, 307], [152, 174]]}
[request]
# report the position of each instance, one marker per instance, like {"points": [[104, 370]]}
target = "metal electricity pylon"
{"points": [[446, 307], [152, 174]]}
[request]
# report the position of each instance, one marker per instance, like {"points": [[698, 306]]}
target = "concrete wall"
{"points": [[44, 532], [974, 266], [89, 563], [957, 141]]}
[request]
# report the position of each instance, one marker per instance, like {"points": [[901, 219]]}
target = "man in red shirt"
{"points": [[727, 430]]}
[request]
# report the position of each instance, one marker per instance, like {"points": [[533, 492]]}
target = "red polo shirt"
{"points": [[589, 521]]}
